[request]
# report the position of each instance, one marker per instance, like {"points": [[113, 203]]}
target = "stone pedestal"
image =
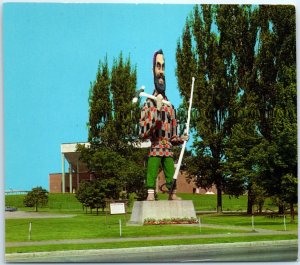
{"points": [[160, 210]]}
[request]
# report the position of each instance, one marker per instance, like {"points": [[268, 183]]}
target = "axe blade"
{"points": [[137, 94]]}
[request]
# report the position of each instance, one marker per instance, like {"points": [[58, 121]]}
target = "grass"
{"points": [[57, 203], [91, 226], [68, 203], [60, 247], [208, 202], [244, 220]]}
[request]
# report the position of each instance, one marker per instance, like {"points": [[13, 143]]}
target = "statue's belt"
{"points": [[160, 141], [164, 142]]}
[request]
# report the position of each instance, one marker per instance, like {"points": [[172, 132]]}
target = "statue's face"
{"points": [[159, 72], [159, 69]]}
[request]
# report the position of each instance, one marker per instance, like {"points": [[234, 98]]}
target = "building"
{"points": [[68, 180]]}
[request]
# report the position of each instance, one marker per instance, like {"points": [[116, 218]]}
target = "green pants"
{"points": [[152, 170]]}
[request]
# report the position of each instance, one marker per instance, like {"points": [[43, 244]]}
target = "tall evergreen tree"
{"points": [[100, 107], [123, 86], [112, 119]]}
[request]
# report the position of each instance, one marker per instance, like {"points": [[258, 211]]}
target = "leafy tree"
{"points": [[112, 156], [92, 194], [289, 195], [243, 58], [37, 197], [81, 194], [277, 98], [267, 107], [269, 104], [213, 63], [241, 165]]}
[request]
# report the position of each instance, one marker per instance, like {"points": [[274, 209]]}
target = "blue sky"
{"points": [[51, 54]]}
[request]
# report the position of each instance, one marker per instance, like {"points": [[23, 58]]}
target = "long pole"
{"points": [[253, 229], [29, 234], [120, 224], [284, 223], [184, 143]]}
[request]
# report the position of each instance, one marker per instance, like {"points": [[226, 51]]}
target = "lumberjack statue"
{"points": [[158, 123]]}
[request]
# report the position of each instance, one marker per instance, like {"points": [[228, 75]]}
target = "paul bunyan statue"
{"points": [[158, 123]]}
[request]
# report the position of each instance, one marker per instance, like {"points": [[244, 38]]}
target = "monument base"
{"points": [[161, 210]]}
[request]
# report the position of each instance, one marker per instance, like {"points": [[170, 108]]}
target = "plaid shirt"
{"points": [[160, 127]]}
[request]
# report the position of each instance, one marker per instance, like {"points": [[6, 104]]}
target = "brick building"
{"points": [[55, 181], [68, 181]]}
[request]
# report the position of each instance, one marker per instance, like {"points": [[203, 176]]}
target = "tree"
{"points": [[267, 105], [100, 106], [37, 197], [276, 98], [81, 194], [244, 136], [91, 193], [213, 63], [113, 129], [239, 166], [244, 61], [267, 113], [289, 194]]}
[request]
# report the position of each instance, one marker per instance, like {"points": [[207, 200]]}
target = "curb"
{"points": [[149, 249]]}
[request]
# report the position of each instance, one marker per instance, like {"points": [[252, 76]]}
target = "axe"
{"points": [[140, 93]]}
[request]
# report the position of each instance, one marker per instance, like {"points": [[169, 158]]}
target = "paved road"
{"points": [[22, 214], [281, 251]]}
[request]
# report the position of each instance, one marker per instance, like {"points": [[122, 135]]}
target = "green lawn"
{"points": [[208, 202], [57, 203], [244, 220], [68, 203], [60, 247], [91, 226]]}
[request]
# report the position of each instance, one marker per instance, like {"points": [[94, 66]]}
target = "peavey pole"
{"points": [[184, 143]]}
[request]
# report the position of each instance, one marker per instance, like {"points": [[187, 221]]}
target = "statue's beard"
{"points": [[160, 88]]}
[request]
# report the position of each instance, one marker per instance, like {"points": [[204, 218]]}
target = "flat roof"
{"points": [[69, 150], [70, 153]]}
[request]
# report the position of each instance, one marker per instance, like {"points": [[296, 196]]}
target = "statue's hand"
{"points": [[185, 137]]}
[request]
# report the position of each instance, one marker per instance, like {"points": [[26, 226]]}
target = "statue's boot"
{"points": [[174, 197], [150, 196]]}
